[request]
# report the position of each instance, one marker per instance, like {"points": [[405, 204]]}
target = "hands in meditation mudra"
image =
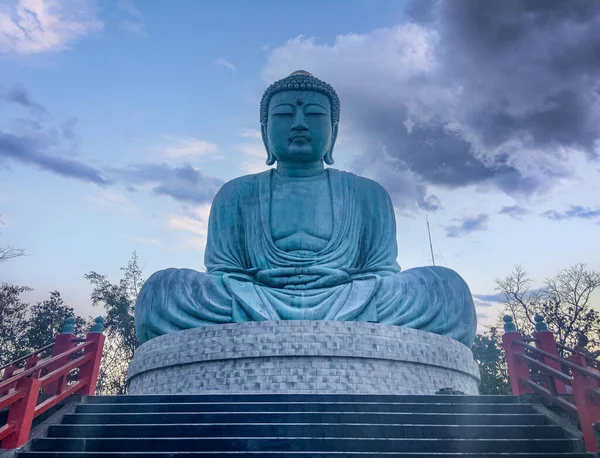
{"points": [[302, 242]]}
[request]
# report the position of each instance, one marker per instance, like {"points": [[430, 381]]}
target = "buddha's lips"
{"points": [[297, 136]]}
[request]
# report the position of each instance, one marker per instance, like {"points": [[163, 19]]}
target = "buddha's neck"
{"points": [[300, 169]]}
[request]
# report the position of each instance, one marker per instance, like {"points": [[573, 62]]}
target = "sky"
{"points": [[119, 121]]}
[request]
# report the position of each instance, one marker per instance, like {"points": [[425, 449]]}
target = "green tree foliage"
{"points": [[118, 301], [46, 320], [13, 323], [489, 355], [25, 328]]}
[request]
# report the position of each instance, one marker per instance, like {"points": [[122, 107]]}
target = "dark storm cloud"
{"points": [[182, 183], [439, 155], [532, 67], [467, 226], [528, 73], [514, 211], [31, 151], [496, 94], [574, 212]]}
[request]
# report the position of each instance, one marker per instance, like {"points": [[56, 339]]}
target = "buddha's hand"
{"points": [[302, 277]]}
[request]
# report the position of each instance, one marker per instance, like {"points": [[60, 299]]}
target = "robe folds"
{"points": [[363, 244]]}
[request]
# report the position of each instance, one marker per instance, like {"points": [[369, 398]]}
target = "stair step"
{"points": [[250, 454], [307, 417], [306, 444], [305, 426], [306, 407], [221, 398], [308, 429], [246, 454]]}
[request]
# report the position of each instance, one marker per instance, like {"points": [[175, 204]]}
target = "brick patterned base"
{"points": [[302, 357]]}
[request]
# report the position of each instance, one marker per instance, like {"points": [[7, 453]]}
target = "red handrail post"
{"points": [[588, 407], [21, 413], [90, 369], [8, 373], [517, 369], [544, 340], [64, 341], [31, 362]]}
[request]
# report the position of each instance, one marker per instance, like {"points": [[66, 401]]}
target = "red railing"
{"points": [[541, 370], [72, 368]]}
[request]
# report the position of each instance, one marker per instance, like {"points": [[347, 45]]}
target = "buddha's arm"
{"points": [[378, 232], [226, 245]]}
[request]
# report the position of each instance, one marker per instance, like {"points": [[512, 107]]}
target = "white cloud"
{"points": [[186, 147], [188, 224], [256, 150], [398, 91], [136, 28], [194, 221], [252, 133], [255, 154], [128, 7], [224, 63], [112, 199], [134, 21], [37, 26]]}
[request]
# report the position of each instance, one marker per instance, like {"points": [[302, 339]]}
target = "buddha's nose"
{"points": [[299, 121]]}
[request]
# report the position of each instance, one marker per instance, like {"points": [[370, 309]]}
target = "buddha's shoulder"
{"points": [[362, 185], [240, 186]]}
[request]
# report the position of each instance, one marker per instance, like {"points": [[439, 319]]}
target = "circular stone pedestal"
{"points": [[331, 357]]}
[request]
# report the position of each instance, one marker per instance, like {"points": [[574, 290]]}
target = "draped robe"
{"points": [[363, 244]]}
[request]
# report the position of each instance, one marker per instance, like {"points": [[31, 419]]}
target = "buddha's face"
{"points": [[299, 127]]}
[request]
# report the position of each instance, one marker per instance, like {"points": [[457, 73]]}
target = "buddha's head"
{"points": [[299, 117]]}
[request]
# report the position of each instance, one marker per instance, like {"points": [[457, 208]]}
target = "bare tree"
{"points": [[9, 252], [564, 301], [568, 307], [520, 300]]}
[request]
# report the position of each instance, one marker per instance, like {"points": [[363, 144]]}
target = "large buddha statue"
{"points": [[303, 242]]}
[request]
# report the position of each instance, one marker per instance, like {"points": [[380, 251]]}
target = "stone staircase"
{"points": [[303, 426]]}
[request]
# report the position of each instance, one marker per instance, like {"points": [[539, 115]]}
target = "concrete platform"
{"points": [[329, 357]]}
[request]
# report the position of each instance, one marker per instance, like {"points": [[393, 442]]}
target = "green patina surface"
{"points": [[302, 242]]}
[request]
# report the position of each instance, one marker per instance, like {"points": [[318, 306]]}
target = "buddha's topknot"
{"points": [[298, 81]]}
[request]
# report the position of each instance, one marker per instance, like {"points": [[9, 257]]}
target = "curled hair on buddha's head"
{"points": [[300, 81]]}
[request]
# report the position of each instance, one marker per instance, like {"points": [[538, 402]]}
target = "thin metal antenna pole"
{"points": [[430, 245]]}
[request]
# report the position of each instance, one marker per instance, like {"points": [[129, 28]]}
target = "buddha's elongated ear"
{"points": [[329, 154], [270, 156]]}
